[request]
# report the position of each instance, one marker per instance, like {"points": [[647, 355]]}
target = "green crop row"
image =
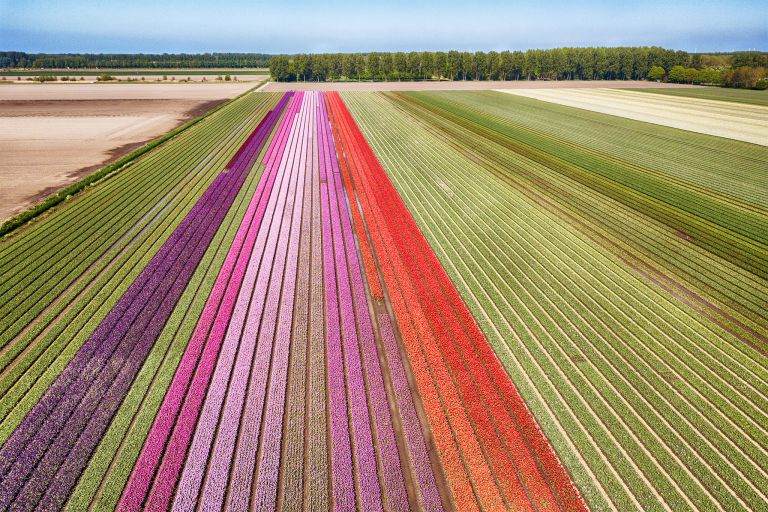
{"points": [[718, 164], [724, 225], [648, 403]]}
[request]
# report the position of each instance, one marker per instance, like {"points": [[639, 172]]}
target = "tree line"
{"points": [[556, 64], [129, 60], [740, 69]]}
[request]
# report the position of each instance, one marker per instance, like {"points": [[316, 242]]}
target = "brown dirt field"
{"points": [[464, 86], [125, 91], [52, 135]]}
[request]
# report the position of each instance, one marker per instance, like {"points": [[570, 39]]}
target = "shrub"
{"points": [[656, 73], [677, 74]]}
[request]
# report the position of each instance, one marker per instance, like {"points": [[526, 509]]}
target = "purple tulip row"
{"points": [[177, 415], [45, 455], [342, 479]]}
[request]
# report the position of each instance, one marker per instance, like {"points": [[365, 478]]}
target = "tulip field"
{"points": [[469, 301]]}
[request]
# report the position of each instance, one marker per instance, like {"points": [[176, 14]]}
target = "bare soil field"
{"points": [[470, 85], [54, 134], [124, 91], [193, 75], [152, 79], [737, 121]]}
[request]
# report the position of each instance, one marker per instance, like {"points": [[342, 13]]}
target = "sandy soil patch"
{"points": [[54, 134], [116, 91], [461, 85], [737, 121]]}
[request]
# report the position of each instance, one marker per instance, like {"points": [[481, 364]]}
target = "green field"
{"points": [[747, 96], [619, 270]]}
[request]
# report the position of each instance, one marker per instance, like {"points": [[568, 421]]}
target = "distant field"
{"points": [[134, 72], [122, 91], [719, 94], [738, 121], [463, 85]]}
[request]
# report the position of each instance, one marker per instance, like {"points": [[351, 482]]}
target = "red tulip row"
{"points": [[491, 447]]}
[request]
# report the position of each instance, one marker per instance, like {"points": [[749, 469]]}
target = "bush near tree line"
{"points": [[741, 77]]}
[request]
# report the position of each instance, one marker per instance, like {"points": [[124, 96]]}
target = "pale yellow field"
{"points": [[737, 121]]}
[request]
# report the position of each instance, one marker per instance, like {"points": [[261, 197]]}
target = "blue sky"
{"points": [[302, 26]]}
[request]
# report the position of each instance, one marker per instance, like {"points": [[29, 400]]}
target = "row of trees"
{"points": [[121, 61], [555, 64]]}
